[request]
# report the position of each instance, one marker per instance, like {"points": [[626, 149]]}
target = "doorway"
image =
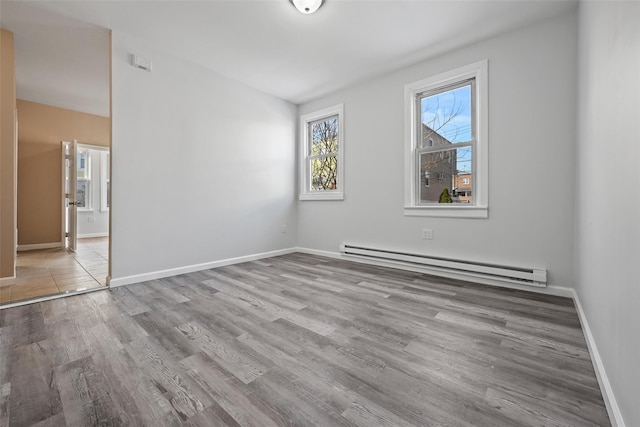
{"points": [[57, 98], [82, 263], [86, 192], [86, 203]]}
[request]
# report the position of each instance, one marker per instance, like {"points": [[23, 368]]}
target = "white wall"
{"points": [[94, 222], [607, 243], [203, 168], [531, 158]]}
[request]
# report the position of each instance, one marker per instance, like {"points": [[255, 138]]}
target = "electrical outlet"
{"points": [[427, 234], [284, 228]]}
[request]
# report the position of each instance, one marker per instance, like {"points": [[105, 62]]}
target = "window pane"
{"points": [[446, 117], [81, 194], [445, 176], [82, 164], [324, 136], [324, 172]]}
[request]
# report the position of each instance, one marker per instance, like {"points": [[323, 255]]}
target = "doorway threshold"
{"points": [[28, 301]]}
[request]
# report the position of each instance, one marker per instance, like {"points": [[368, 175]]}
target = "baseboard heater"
{"points": [[479, 270]]}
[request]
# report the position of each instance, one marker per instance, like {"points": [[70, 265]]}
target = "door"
{"points": [[70, 154]]}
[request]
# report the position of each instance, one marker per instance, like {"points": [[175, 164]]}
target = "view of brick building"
{"points": [[436, 167], [462, 186], [439, 170]]}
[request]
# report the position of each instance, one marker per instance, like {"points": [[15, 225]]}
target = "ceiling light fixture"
{"points": [[307, 6]]}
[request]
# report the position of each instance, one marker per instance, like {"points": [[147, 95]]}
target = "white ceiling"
{"points": [[266, 44], [59, 61]]}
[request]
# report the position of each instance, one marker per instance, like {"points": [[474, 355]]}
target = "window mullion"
{"points": [[446, 148], [322, 156]]}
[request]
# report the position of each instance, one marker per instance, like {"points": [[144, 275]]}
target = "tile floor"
{"points": [[54, 271]]}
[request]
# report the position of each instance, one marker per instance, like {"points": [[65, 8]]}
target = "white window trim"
{"points": [[305, 193], [480, 166]]}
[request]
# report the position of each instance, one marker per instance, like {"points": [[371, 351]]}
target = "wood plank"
{"points": [[132, 388], [33, 394], [241, 364], [85, 393], [365, 413], [230, 393]]}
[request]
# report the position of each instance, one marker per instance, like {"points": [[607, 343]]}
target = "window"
{"points": [[105, 185], [446, 137], [83, 186], [322, 155]]}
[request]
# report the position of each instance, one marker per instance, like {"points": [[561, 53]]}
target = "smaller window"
{"points": [[322, 157], [465, 181]]}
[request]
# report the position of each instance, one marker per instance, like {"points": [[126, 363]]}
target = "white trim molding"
{"points": [[615, 416], [90, 235], [51, 297], [5, 281], [37, 246], [115, 282]]}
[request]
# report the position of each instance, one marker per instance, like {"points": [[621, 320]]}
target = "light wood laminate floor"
{"points": [[47, 272], [298, 340]]}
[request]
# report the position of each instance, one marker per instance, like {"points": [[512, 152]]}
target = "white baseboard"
{"points": [[7, 280], [137, 278], [615, 416], [86, 236], [36, 246], [547, 290]]}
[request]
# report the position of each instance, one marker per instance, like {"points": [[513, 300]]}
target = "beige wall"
{"points": [[7, 154], [41, 128]]}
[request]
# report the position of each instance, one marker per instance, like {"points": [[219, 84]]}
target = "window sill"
{"points": [[333, 195], [448, 211]]}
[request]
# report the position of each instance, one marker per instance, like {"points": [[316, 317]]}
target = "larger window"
{"points": [[322, 155], [446, 144]]}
